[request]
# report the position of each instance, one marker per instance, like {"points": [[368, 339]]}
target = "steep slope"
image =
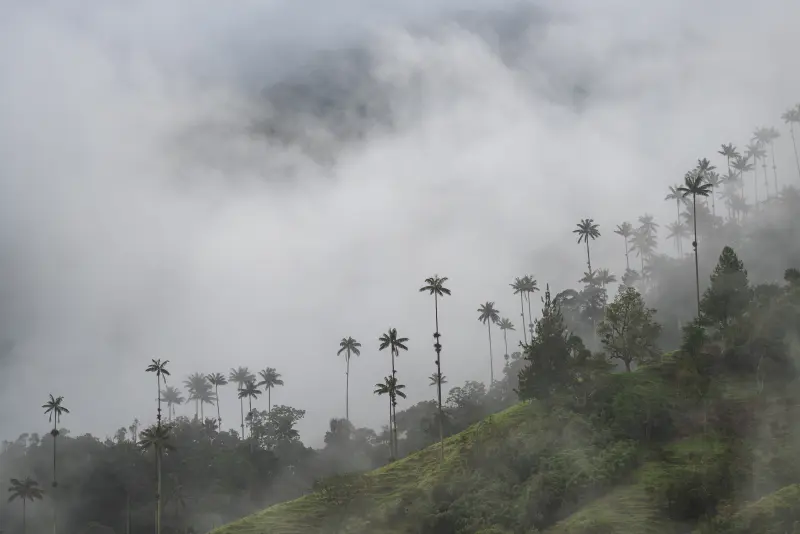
{"points": [[642, 456]]}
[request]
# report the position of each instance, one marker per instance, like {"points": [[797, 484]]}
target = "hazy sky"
{"points": [[120, 242]]}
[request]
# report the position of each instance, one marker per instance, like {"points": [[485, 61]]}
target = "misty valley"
{"points": [[398, 268]]}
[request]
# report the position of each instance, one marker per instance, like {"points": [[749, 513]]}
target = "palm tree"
{"points": [[644, 244], [626, 231], [754, 150], [505, 325], [157, 438], [714, 180], [695, 185], [766, 137], [436, 381], [488, 315], [270, 378], [240, 377], [729, 153], [54, 410], [394, 343], [772, 135], [25, 490], [251, 391], [587, 230], [172, 396], [678, 231], [160, 369], [390, 387], [531, 286], [199, 391], [742, 165], [349, 346], [792, 117], [605, 277], [435, 286], [217, 380], [519, 288], [648, 225]]}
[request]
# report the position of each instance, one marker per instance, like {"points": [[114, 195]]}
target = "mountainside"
{"points": [[641, 454]]}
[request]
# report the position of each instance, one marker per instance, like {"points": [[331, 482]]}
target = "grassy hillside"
{"points": [[641, 457]]}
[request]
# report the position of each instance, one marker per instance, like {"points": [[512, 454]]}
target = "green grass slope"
{"points": [[644, 458]]}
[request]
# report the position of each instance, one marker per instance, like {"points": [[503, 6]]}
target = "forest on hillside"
{"points": [[714, 292]]}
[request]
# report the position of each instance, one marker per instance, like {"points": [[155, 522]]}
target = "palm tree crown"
{"points": [[26, 489], [349, 345], [487, 312], [435, 286], [54, 409]]}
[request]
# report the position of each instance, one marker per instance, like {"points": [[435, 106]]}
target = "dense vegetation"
{"points": [[669, 405]]}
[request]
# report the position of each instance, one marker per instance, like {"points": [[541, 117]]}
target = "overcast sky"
{"points": [[119, 243]]}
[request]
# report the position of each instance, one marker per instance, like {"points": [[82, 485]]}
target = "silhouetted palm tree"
{"points": [[160, 369], [531, 287], [251, 391], [217, 380], [505, 325], [678, 231], [200, 392], [487, 314], [587, 230], [729, 153], [714, 180], [349, 346], [435, 286], [270, 378], [792, 117], [435, 380], [519, 288], [240, 377], [172, 396], [157, 438], [390, 387], [25, 490], [605, 277], [626, 231], [54, 410], [742, 165], [390, 340], [696, 186], [754, 150]]}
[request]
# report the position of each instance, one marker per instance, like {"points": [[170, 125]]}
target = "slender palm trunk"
{"points": [[24, 516], [347, 389], [391, 427], [55, 481], [696, 261], [774, 166], [491, 355], [530, 317], [241, 407], [627, 260], [158, 491], [438, 346], [766, 175], [505, 340], [588, 255], [219, 417], [794, 145], [202, 411], [158, 414], [269, 400], [522, 309], [755, 183], [713, 201]]}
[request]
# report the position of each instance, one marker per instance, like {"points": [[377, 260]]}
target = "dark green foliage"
{"points": [[548, 355], [729, 293], [628, 332]]}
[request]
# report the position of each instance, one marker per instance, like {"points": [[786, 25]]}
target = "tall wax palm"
{"points": [[765, 137], [519, 288], [675, 195], [729, 153], [648, 225], [157, 438], [173, 397], [754, 151], [25, 490], [390, 340], [348, 346], [792, 117], [435, 286], [487, 314], [160, 369], [270, 378], [390, 387], [742, 165], [696, 186], [587, 230], [240, 377], [436, 380], [199, 391], [714, 180], [644, 244], [625, 230], [531, 287], [54, 409], [678, 231], [605, 277], [251, 391], [505, 325], [217, 380]]}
